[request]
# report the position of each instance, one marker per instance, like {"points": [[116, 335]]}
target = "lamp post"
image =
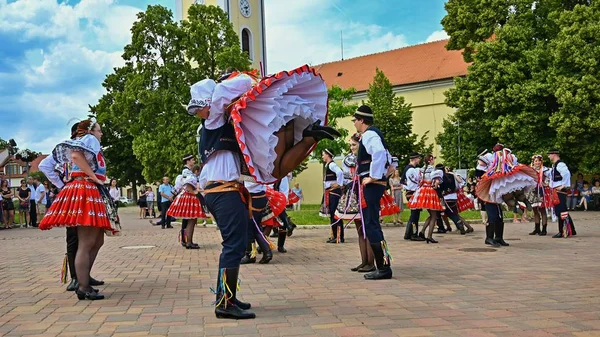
{"points": [[458, 126]]}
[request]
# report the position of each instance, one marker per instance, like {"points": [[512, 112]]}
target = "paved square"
{"points": [[538, 286]]}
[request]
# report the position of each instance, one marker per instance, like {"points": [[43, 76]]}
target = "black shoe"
{"points": [[73, 285], [557, 235], [169, 226], [327, 129], [242, 305], [441, 231], [417, 238], [162, 227], [192, 246], [470, 230], [357, 267], [317, 132], [502, 242], [379, 274], [365, 269], [281, 236], [292, 227], [247, 260], [543, 232], [91, 295], [422, 236], [267, 257], [281, 250], [535, 232], [462, 231], [94, 282], [233, 312], [331, 240], [491, 242], [430, 240]]}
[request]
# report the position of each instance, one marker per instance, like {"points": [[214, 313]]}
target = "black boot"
{"points": [[384, 270], [499, 231], [266, 251], [536, 230], [461, 228], [544, 232], [281, 241], [228, 306], [73, 285], [290, 225], [248, 255], [319, 132], [489, 235], [416, 236]]}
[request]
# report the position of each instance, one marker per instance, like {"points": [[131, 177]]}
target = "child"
{"points": [[586, 196], [596, 195]]}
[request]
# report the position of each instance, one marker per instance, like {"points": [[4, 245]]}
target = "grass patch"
{"points": [[309, 215]]}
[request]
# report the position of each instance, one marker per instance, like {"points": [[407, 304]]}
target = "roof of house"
{"points": [[409, 65], [34, 165]]}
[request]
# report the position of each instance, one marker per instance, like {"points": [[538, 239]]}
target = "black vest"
{"points": [[403, 178], [363, 159], [329, 175], [220, 139], [556, 176]]}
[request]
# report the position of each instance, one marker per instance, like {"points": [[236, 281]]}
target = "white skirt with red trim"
{"points": [[426, 198], [186, 206], [492, 188], [299, 95]]}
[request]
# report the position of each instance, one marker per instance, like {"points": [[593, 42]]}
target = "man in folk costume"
{"points": [[333, 180], [374, 167], [455, 200], [410, 179], [58, 175], [245, 137], [560, 180]]}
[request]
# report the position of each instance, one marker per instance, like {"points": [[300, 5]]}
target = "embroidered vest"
{"points": [[364, 159], [221, 139], [329, 175], [556, 176]]}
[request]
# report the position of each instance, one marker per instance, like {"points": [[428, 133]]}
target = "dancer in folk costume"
{"points": [[256, 129], [454, 199], [349, 207], [560, 180], [542, 196], [374, 166], [187, 171], [287, 227], [84, 202], [505, 180], [186, 205], [276, 203], [258, 194], [410, 180], [58, 176], [333, 181], [426, 197]]}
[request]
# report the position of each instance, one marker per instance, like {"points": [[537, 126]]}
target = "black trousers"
{"points": [[72, 245], [560, 208], [259, 202], [373, 194], [32, 213], [452, 212], [415, 215], [164, 219], [334, 200]]}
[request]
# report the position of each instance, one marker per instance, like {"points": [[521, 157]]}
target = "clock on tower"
{"points": [[248, 20]]}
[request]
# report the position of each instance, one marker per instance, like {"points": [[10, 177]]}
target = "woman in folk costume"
{"points": [[504, 180], [84, 202], [258, 194], [349, 208], [186, 205], [333, 180], [541, 197], [256, 129], [426, 197]]}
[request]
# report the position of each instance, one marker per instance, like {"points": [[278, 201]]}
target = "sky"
{"points": [[54, 54]]}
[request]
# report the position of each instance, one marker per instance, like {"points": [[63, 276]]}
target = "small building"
{"points": [[13, 169]]}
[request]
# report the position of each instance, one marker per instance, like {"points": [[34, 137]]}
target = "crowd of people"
{"points": [[29, 201]]}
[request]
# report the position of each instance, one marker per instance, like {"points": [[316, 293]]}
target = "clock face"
{"points": [[200, 2], [245, 8]]}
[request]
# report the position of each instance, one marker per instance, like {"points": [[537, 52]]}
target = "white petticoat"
{"points": [[508, 184], [299, 95]]}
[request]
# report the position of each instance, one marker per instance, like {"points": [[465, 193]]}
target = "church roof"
{"points": [[409, 65]]}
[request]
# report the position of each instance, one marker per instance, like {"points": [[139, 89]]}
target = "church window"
{"points": [[247, 42]]}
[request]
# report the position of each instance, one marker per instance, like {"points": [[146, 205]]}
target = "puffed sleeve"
{"points": [[339, 174], [224, 93], [48, 168], [88, 145]]}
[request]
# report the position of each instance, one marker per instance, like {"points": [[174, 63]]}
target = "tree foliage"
{"points": [[533, 83], [145, 102], [393, 116]]}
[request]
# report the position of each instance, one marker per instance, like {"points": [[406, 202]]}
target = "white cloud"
{"points": [[310, 37], [437, 36]]}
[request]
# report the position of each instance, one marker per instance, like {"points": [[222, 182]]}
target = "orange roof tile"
{"points": [[408, 65], [34, 165]]}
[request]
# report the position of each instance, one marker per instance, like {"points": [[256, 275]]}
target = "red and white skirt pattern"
{"points": [[186, 206], [387, 205], [275, 205], [463, 203], [492, 188], [426, 198], [79, 203], [293, 198]]}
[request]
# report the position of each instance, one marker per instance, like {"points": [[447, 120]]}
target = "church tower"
{"points": [[248, 20]]}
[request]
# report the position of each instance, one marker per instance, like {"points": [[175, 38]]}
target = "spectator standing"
{"points": [[166, 192], [7, 205], [298, 191], [23, 193], [396, 187], [115, 192], [150, 201], [40, 198], [32, 206], [142, 203]]}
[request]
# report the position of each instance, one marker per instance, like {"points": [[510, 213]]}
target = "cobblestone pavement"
{"points": [[539, 286]]}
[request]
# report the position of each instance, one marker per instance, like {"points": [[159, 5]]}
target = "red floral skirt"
{"points": [[426, 198], [463, 203], [79, 203], [387, 205], [550, 198], [186, 206], [275, 205]]}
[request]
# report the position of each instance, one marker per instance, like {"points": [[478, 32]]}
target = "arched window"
{"points": [[247, 42]]}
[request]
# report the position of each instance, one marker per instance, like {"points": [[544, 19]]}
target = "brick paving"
{"points": [[537, 287]]}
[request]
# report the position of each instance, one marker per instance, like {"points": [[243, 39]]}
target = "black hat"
{"points": [[415, 155], [439, 166], [329, 152], [554, 151], [187, 157], [364, 112]]}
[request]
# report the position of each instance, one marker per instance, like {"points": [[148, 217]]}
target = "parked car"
{"points": [[125, 200]]}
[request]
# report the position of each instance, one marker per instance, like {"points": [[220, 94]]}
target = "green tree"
{"points": [[532, 84], [393, 116]]}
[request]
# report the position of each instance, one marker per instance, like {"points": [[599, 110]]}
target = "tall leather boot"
{"points": [[384, 270], [461, 227], [73, 285], [573, 231], [499, 231], [228, 306], [266, 251], [544, 232], [281, 241], [248, 258], [489, 234], [290, 225], [536, 229]]}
